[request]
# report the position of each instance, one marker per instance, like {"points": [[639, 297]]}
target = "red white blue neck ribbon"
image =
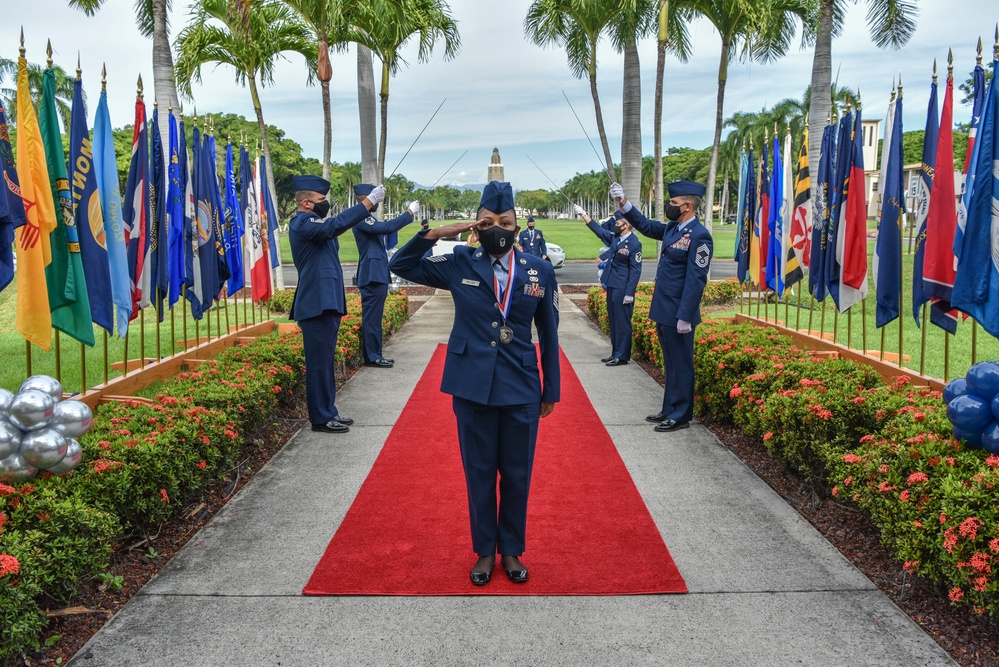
{"points": [[505, 299]]}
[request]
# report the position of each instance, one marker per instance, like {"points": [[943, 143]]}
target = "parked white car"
{"points": [[446, 246]]}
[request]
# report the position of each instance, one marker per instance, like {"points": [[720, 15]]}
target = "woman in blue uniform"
{"points": [[491, 369]]}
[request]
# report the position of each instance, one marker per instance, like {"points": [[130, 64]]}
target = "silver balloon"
{"points": [[44, 448], [15, 469], [44, 383], [10, 438], [72, 418], [6, 396], [74, 454], [31, 409]]}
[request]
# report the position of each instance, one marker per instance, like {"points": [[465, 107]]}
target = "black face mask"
{"points": [[672, 212], [497, 240], [618, 230], [373, 208], [321, 208]]}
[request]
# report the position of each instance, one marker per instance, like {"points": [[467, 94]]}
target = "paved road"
{"points": [[582, 272]]}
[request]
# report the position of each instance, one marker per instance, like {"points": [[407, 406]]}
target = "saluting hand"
{"points": [[446, 231], [376, 196]]}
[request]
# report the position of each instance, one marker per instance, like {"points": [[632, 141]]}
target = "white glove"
{"points": [[683, 327], [414, 208], [617, 192], [629, 299], [377, 196], [578, 210]]}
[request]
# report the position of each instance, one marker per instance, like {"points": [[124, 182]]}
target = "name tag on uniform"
{"points": [[535, 290], [469, 281]]}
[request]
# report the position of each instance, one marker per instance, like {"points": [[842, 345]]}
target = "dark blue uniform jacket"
{"points": [[624, 266], [372, 258]]}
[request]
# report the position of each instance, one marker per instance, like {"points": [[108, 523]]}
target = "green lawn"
{"points": [[946, 356], [572, 235], [12, 345]]}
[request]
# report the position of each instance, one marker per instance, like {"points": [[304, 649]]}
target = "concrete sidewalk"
{"points": [[765, 587]]}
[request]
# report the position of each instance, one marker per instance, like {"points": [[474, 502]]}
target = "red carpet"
{"points": [[588, 530]]}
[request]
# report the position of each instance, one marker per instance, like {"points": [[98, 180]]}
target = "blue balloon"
{"points": [[972, 438], [983, 379], [970, 413], [990, 438], [995, 407], [955, 388]]}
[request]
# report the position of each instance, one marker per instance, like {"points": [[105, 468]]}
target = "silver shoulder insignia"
{"points": [[437, 258], [703, 255]]}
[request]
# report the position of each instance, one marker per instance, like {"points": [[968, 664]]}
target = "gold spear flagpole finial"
{"points": [[104, 77], [766, 136], [995, 45], [950, 63], [79, 71], [21, 49], [181, 111], [900, 84], [858, 99], [138, 91], [934, 70], [48, 52], [978, 59]]}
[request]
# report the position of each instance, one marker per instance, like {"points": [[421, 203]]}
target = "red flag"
{"points": [[941, 221], [855, 215]]}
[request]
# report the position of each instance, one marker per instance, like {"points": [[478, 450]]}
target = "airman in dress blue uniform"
{"points": [[320, 301], [373, 274], [620, 279], [491, 369], [532, 241], [681, 276]]}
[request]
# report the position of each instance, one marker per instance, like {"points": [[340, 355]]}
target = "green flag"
{"points": [[67, 286]]}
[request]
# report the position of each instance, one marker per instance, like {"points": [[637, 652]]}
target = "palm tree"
{"points": [[247, 35], [63, 89], [151, 17], [366, 111], [760, 31], [325, 19], [385, 26], [891, 22], [576, 25], [671, 35]]}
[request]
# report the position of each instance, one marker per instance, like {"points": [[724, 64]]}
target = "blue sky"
{"points": [[504, 92]]}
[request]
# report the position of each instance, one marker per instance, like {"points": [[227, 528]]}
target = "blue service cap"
{"points": [[618, 215], [311, 183], [530, 218], [497, 197], [363, 189], [686, 188]]}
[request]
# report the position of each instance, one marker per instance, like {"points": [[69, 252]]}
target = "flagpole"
{"points": [[124, 370], [863, 324], [106, 357], [27, 358], [901, 240], [922, 348], [58, 357], [83, 368], [797, 317], [947, 335], [811, 314]]}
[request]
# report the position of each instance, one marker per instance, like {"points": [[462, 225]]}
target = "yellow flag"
{"points": [[34, 321]]}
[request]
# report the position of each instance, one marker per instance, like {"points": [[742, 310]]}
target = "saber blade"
{"points": [[417, 139], [557, 189]]}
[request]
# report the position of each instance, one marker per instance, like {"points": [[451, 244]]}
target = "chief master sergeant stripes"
{"points": [[373, 274], [681, 276]]}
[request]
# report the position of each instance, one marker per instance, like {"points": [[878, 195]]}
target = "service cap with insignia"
{"points": [[686, 188]]}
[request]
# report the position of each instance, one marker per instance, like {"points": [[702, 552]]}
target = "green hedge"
{"points": [[885, 446], [142, 463]]}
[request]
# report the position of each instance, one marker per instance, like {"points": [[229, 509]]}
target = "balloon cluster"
{"points": [[38, 430], [973, 406]]}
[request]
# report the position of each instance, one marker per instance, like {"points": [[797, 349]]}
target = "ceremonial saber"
{"points": [[595, 152], [550, 180], [447, 170], [417, 139]]}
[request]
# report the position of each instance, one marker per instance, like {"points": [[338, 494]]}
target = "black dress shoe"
{"points": [[656, 418], [391, 361], [379, 363], [616, 362], [517, 576], [606, 359], [346, 421], [332, 426], [671, 425], [480, 578]]}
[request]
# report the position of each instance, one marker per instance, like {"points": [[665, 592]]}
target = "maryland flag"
{"points": [[801, 221], [34, 321]]}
